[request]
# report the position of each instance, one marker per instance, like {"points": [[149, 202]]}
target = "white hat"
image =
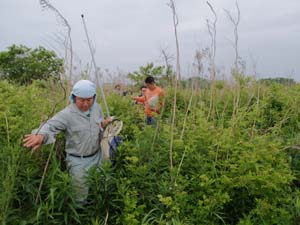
{"points": [[83, 89]]}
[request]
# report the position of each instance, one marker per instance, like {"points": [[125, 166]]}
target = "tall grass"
{"points": [[248, 176]]}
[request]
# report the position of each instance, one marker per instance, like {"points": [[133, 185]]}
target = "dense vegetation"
{"points": [[237, 162], [22, 65]]}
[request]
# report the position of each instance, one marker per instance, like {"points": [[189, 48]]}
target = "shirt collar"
{"points": [[75, 109]]}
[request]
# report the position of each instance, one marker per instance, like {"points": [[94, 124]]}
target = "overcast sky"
{"points": [[129, 33]]}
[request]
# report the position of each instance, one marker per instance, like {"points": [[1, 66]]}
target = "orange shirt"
{"points": [[153, 100]]}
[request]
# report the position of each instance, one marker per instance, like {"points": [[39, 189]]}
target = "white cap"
{"points": [[83, 89]]}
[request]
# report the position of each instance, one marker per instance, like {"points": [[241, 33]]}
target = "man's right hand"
{"points": [[33, 140]]}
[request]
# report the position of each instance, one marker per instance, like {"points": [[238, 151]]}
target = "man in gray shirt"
{"points": [[82, 121]]}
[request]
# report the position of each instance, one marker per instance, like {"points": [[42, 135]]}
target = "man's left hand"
{"points": [[106, 121]]}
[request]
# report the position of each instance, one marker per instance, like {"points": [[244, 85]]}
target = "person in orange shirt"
{"points": [[152, 99]]}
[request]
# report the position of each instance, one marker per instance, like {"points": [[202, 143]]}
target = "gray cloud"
{"points": [[128, 34]]}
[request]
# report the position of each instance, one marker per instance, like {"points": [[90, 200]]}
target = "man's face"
{"points": [[150, 86], [84, 104]]}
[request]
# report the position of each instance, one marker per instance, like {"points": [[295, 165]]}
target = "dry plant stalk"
{"points": [[167, 58], [106, 218], [180, 165], [212, 30], [198, 64], [235, 23], [97, 69], [183, 129], [7, 129], [49, 45], [187, 112], [236, 71], [63, 21], [175, 24], [43, 177], [92, 51]]}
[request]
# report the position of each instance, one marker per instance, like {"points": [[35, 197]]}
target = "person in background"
{"points": [[82, 121], [117, 89], [153, 100], [143, 90]]}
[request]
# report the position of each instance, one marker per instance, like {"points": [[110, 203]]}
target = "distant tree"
{"points": [[169, 76], [22, 65], [279, 80], [139, 76], [197, 81]]}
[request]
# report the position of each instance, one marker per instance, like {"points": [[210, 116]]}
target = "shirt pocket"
{"points": [[80, 133]]}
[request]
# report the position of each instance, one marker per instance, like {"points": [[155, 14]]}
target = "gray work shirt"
{"points": [[82, 131]]}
